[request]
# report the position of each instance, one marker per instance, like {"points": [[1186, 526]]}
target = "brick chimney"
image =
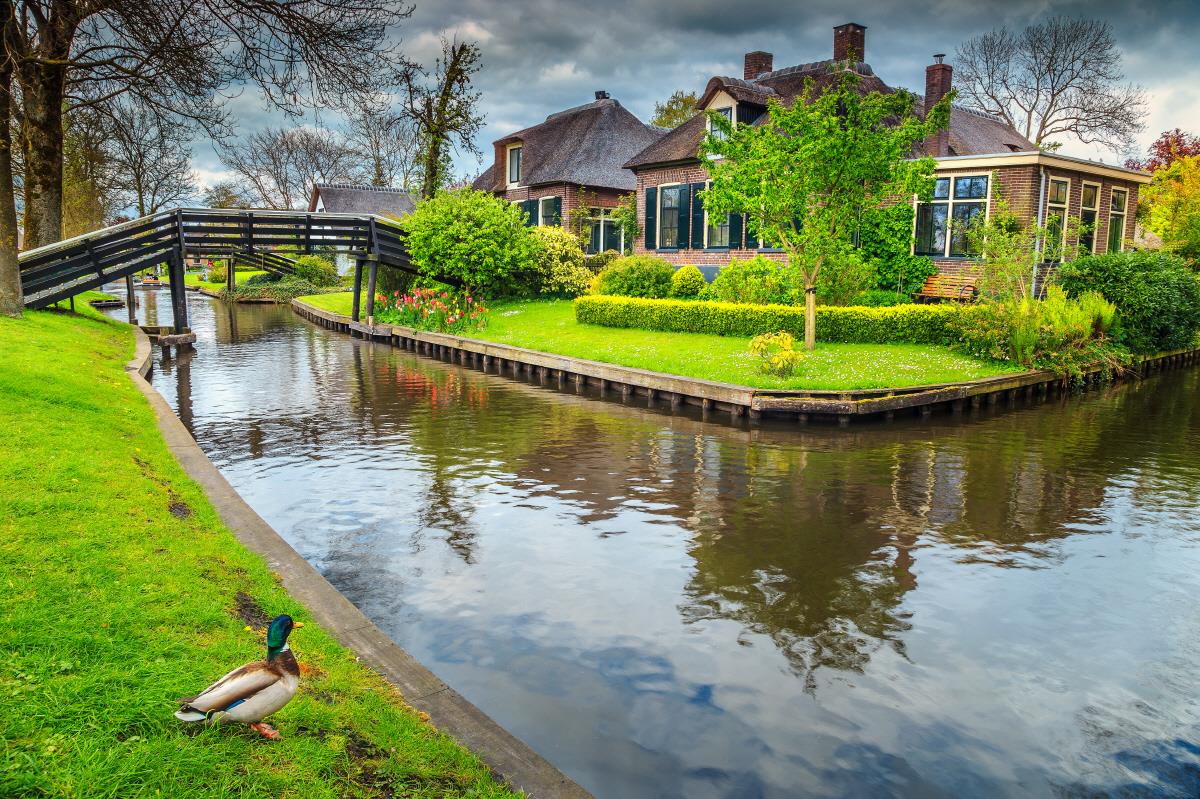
{"points": [[757, 63], [850, 38], [602, 95], [938, 77]]}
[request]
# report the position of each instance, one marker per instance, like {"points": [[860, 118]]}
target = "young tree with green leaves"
{"points": [[807, 174], [679, 108]]}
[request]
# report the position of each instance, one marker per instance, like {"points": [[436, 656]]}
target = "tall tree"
{"points": [[1172, 206], [679, 108], [178, 57], [1058, 77], [92, 187], [11, 303], [1169, 146], [386, 146], [805, 178], [280, 166], [443, 108], [153, 159]]}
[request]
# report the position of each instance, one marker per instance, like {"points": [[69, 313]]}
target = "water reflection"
{"points": [[665, 607]]}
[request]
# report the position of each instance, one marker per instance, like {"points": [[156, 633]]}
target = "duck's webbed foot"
{"points": [[266, 731]]}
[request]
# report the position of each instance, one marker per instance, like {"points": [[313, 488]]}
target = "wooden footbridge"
{"points": [[264, 239]]}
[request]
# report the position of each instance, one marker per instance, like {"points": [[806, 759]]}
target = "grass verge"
{"points": [[550, 326], [193, 279], [123, 590]]}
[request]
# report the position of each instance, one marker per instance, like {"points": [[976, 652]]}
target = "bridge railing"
{"points": [[66, 268]]}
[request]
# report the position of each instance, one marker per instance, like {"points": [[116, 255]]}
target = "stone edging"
{"points": [[510, 758], [738, 401]]}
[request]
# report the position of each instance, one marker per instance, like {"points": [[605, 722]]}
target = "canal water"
{"points": [[1002, 605]]}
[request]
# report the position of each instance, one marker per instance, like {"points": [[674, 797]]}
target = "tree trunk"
{"points": [[11, 299], [42, 87], [810, 316]]}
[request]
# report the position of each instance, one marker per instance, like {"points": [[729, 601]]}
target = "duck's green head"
{"points": [[277, 635]]}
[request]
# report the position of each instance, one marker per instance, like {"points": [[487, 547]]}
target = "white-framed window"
{"points": [[548, 212], [669, 213], [729, 112], [1058, 200], [716, 229], [1118, 207], [1089, 215], [514, 164], [602, 232], [941, 225]]}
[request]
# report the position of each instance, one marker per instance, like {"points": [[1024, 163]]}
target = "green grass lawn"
{"points": [[122, 590], [550, 326]]}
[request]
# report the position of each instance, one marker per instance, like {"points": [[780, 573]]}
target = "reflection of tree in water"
{"points": [[797, 555], [444, 509]]}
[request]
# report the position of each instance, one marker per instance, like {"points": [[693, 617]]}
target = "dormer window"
{"points": [[726, 112], [514, 164]]}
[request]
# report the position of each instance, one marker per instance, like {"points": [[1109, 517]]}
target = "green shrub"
{"points": [[757, 281], [598, 261], [636, 276], [283, 290], [557, 266], [1156, 295], [913, 324], [1060, 333], [843, 277], [687, 282], [881, 298], [473, 237], [316, 270], [261, 278], [777, 352], [218, 274], [885, 236]]}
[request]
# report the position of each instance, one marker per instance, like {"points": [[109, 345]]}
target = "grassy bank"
{"points": [[193, 279], [123, 590], [550, 326]]}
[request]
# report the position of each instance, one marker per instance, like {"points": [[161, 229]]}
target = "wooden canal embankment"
{"points": [[739, 402]]}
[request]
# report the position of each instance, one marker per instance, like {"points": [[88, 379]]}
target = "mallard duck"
{"points": [[252, 692]]}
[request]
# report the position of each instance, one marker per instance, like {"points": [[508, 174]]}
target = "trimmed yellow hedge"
{"points": [[897, 324]]}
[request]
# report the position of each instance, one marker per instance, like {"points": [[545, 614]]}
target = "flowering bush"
{"points": [[557, 268], [430, 309]]}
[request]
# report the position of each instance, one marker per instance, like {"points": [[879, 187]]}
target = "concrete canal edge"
{"points": [[736, 401], [507, 756]]}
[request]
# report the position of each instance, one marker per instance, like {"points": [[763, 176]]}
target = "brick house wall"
{"points": [[1018, 185], [568, 192]]}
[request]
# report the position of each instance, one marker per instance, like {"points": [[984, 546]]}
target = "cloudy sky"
{"points": [[541, 56]]}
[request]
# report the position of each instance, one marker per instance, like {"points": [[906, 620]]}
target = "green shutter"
{"points": [[685, 216], [557, 210], [697, 217], [530, 209], [735, 231], [651, 219], [751, 239]]}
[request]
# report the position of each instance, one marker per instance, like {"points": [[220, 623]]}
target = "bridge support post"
{"points": [[231, 275], [358, 264], [129, 300], [178, 292], [372, 276]]}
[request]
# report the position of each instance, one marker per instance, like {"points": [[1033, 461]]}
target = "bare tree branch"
{"points": [[1059, 77]]}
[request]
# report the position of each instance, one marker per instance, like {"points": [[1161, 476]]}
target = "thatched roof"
{"points": [[586, 145], [345, 198]]}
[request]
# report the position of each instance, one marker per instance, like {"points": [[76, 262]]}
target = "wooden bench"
{"points": [[950, 287]]}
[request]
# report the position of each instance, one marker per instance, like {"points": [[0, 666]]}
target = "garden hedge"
{"points": [[900, 324]]}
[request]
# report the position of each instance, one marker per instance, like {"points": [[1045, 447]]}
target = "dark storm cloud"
{"points": [[541, 56]]}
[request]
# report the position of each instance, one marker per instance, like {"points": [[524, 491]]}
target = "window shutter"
{"points": [[530, 209], [735, 231], [685, 216], [697, 217], [557, 210], [751, 239], [651, 219]]}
